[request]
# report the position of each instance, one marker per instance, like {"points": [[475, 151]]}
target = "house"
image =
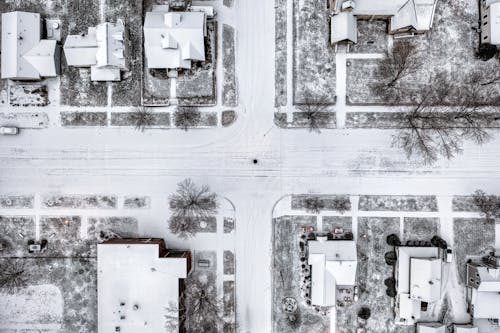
{"points": [[490, 22], [137, 279], [103, 48], [333, 265], [418, 282], [25, 56], [431, 328], [465, 329], [483, 293], [404, 16], [173, 40]]}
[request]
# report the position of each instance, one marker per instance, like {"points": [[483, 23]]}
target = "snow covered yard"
{"points": [[313, 57], [448, 47], [60, 296]]}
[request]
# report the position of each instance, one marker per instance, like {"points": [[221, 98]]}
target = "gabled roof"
{"points": [[405, 254], [431, 328], [344, 28], [465, 329], [24, 55], [102, 49], [405, 17], [490, 279]]}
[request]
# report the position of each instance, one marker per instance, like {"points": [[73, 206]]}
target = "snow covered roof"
{"points": [[494, 13], [465, 329], [333, 264], [425, 279], [407, 278], [102, 48], [431, 328], [174, 39], [24, 55], [135, 285], [486, 304], [408, 310], [490, 279], [414, 15], [344, 28]]}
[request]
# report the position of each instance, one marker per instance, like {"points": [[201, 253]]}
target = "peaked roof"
{"points": [[24, 55], [344, 28]]}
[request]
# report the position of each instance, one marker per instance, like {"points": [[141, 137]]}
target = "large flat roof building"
{"points": [[172, 40], [137, 279], [25, 56]]}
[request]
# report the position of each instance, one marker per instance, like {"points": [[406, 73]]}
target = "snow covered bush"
{"points": [[142, 118], [186, 117], [12, 276]]}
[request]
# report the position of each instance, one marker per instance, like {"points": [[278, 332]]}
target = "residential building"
{"points": [[465, 329], [404, 16], [418, 282], [490, 21], [103, 48], [333, 267], [137, 279], [173, 40], [431, 328], [483, 293], [25, 55]]}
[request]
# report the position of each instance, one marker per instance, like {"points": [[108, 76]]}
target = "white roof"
{"points": [[431, 328], [486, 304], [24, 55], [465, 329], [80, 50], [494, 9], [425, 279], [408, 311], [490, 279], [344, 28], [110, 45], [417, 14], [174, 39], [102, 48], [134, 274], [333, 264], [405, 253]]}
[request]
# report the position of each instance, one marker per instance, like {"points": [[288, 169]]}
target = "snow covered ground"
{"points": [[125, 162]]}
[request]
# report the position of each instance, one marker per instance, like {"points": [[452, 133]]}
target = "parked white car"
{"points": [[9, 130]]}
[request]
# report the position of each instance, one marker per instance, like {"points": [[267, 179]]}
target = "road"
{"points": [[289, 161]]}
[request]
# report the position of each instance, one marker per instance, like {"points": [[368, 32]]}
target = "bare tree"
{"points": [[315, 112], [186, 117], [429, 132], [402, 62], [188, 205], [199, 310], [12, 276], [193, 201], [488, 205], [142, 118], [313, 205]]}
